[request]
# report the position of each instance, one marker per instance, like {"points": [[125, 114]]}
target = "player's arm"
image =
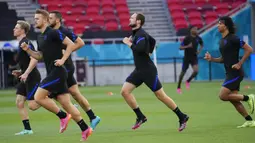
{"points": [[209, 58], [201, 44], [185, 44], [217, 60], [32, 64], [76, 40], [139, 45], [70, 47], [35, 54], [247, 52], [152, 44]]}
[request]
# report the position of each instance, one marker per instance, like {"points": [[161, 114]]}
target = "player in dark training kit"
{"points": [[142, 45], [55, 22], [29, 77], [229, 48], [189, 45], [50, 44]]}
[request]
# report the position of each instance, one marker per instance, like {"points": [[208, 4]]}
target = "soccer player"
{"points": [[29, 77], [55, 19], [50, 43], [189, 45], [229, 48], [142, 44]]}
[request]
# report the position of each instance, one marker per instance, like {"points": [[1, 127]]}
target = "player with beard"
{"points": [[50, 44], [142, 45], [229, 47], [55, 19]]}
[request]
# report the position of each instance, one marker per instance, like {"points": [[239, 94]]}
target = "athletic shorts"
{"points": [[232, 82], [70, 79], [149, 77], [29, 87], [187, 62], [55, 82]]}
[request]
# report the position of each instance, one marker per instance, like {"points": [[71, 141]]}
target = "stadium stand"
{"points": [[199, 12], [91, 15]]}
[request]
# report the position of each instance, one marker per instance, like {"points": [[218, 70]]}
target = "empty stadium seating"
{"points": [[199, 12], [91, 15], [8, 21]]}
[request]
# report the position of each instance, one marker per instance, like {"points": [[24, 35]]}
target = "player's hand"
{"points": [[16, 73], [24, 46], [208, 56], [130, 38], [59, 62], [23, 77], [237, 66], [126, 40], [190, 45]]}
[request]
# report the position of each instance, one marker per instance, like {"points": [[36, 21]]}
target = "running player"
{"points": [[55, 22], [50, 49], [29, 77], [189, 45], [142, 44], [229, 48]]}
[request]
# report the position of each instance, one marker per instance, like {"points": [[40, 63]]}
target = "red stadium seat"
{"points": [[176, 8], [200, 2], [211, 14], [120, 3], [173, 2], [196, 22], [77, 11], [84, 19], [178, 15], [181, 24], [99, 20], [194, 14], [125, 26], [107, 3], [187, 2], [92, 11], [80, 3], [124, 17], [214, 2], [209, 20], [107, 11], [122, 9], [93, 3], [111, 26]]}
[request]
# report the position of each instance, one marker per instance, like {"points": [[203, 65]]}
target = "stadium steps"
{"points": [[24, 8], [157, 18]]}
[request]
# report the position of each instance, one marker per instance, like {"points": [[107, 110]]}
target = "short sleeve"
{"points": [[238, 42], [57, 36], [186, 41], [70, 34], [200, 41]]}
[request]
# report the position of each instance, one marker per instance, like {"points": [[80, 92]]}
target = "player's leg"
{"points": [[185, 66], [83, 102], [20, 103], [131, 83], [239, 107], [233, 84], [194, 64], [53, 83], [152, 81], [31, 87], [64, 100]]}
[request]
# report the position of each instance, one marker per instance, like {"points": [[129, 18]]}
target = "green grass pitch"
{"points": [[211, 120]]}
